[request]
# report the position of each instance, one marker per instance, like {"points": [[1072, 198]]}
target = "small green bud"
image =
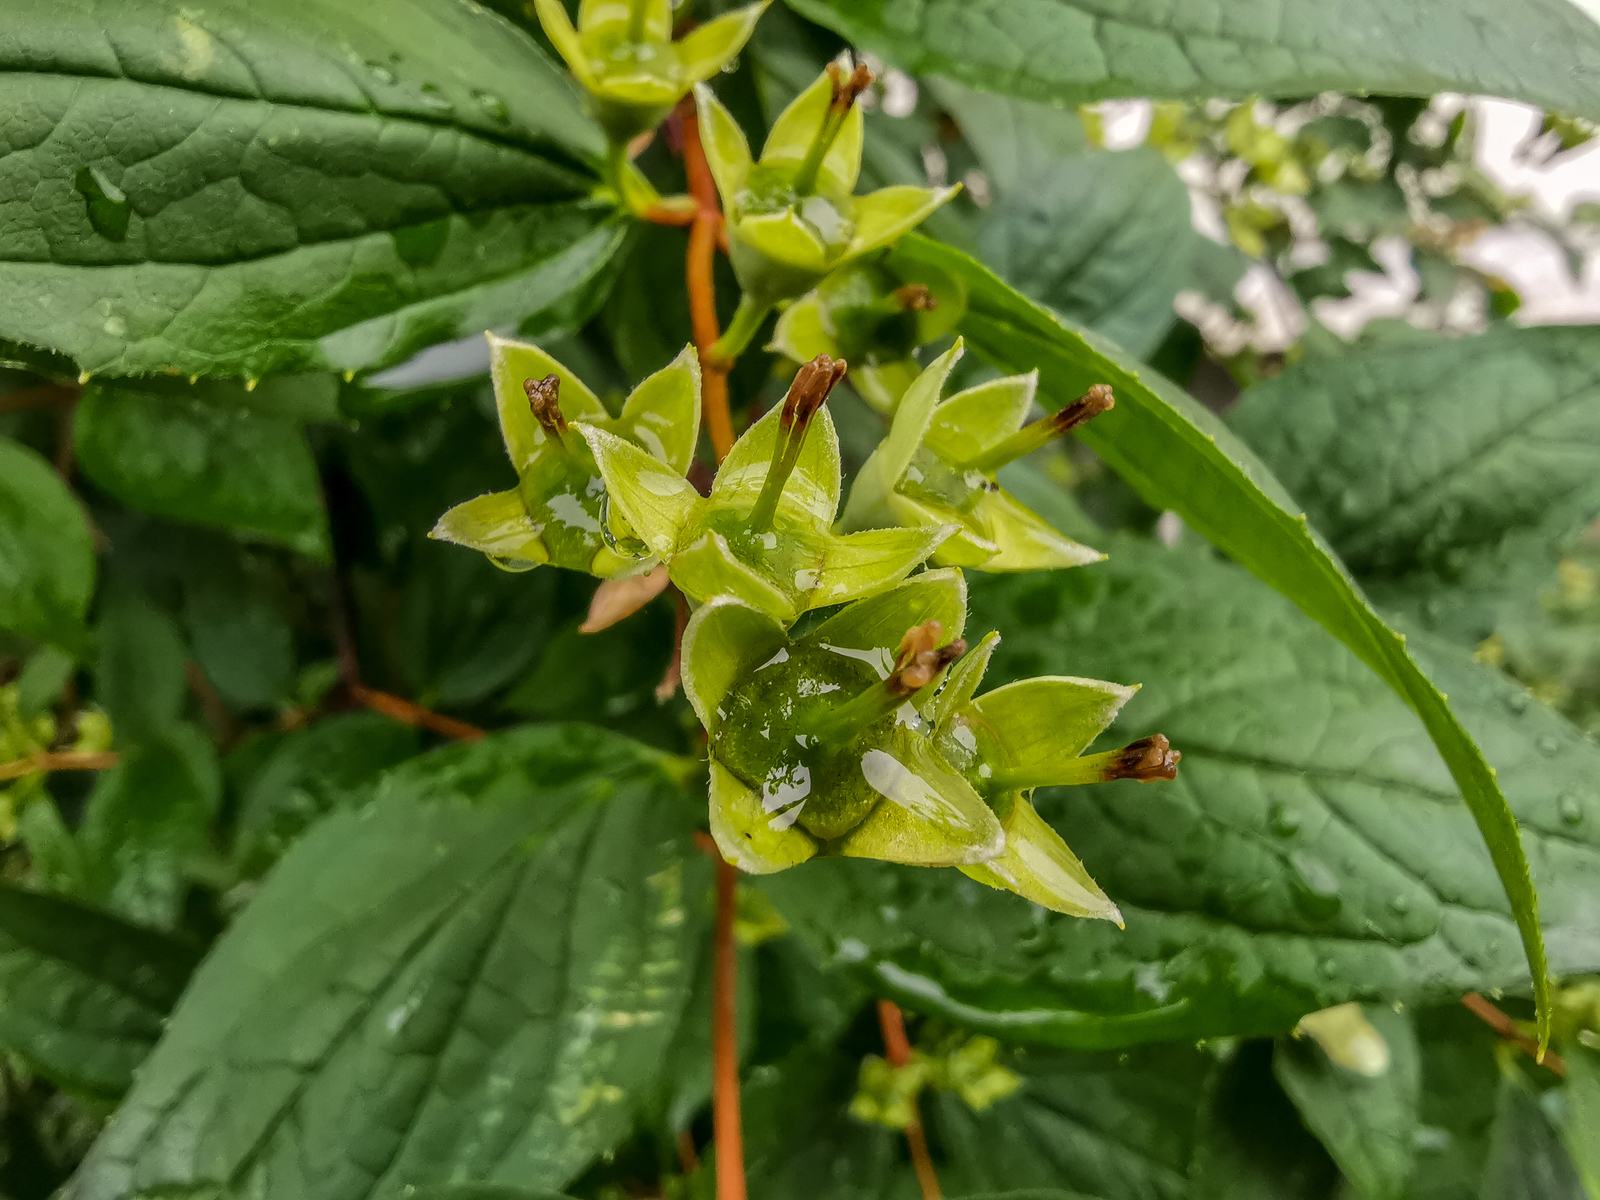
{"points": [[938, 464]]}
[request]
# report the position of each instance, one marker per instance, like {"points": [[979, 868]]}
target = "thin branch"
{"points": [[725, 1040], [1507, 1029], [61, 760], [704, 236], [407, 713], [38, 397], [897, 1049]]}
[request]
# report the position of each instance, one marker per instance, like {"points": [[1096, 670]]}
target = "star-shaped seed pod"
{"points": [[764, 535], [938, 465], [1030, 734], [792, 217], [623, 55], [874, 314], [557, 512], [816, 747]]}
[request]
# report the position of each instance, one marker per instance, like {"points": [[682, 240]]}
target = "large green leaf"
{"points": [[1101, 236], [270, 185], [85, 994], [1438, 468], [46, 556], [473, 979], [1178, 456], [1526, 1158], [205, 454], [1312, 850], [1546, 52]]}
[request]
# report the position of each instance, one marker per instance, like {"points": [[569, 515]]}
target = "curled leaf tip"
{"points": [[1149, 760], [847, 88], [921, 658], [544, 399], [1091, 404], [810, 390], [915, 297]]}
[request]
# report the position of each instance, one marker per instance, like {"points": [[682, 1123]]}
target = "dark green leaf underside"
{"points": [[1545, 52], [47, 563]]}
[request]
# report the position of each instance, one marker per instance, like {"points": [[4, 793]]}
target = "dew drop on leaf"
{"points": [[1285, 820], [493, 105], [1571, 808], [1316, 887], [107, 203]]}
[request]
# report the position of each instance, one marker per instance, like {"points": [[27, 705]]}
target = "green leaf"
{"points": [[287, 185], [1460, 1083], [1526, 1158], [1367, 1122], [1311, 852], [204, 454], [474, 979], [46, 557], [1067, 51], [334, 764], [86, 994], [1436, 468], [1250, 1145], [1178, 456], [1583, 1112], [1119, 1127]]}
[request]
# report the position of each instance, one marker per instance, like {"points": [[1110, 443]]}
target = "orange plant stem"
{"points": [[897, 1048], [703, 238], [63, 760], [729, 1131], [407, 713], [1507, 1028]]}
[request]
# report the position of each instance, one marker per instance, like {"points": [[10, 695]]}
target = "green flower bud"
{"points": [[875, 315], [939, 461], [764, 535], [792, 217], [557, 514], [623, 55]]}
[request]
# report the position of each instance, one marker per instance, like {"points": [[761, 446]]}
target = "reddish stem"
{"points": [[1507, 1028], [704, 236], [897, 1048], [407, 713], [61, 760]]}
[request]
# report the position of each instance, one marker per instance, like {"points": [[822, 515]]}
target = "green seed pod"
{"points": [[874, 315], [792, 217], [623, 55], [558, 512], [764, 535], [939, 461]]}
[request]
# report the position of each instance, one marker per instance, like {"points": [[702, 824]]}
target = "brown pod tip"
{"points": [[846, 88], [810, 389], [544, 399], [1149, 760], [1091, 404]]}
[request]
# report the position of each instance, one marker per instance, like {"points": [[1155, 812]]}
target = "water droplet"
{"points": [[419, 245], [1517, 702], [515, 566], [1285, 820], [1328, 967], [622, 547], [1550, 745], [1350, 502], [1400, 903], [380, 72], [493, 105], [1316, 887], [1571, 808], [106, 202], [432, 99]]}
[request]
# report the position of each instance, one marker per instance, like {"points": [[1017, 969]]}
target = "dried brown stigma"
{"points": [[544, 400], [915, 297], [921, 658], [810, 390], [847, 88], [1149, 760], [1091, 404]]}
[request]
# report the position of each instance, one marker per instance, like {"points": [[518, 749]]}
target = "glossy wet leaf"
{"points": [[1311, 851], [1366, 1121], [86, 994], [47, 566], [1526, 1158], [1440, 471], [301, 186], [1178, 456], [1067, 51], [474, 978], [208, 455]]}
